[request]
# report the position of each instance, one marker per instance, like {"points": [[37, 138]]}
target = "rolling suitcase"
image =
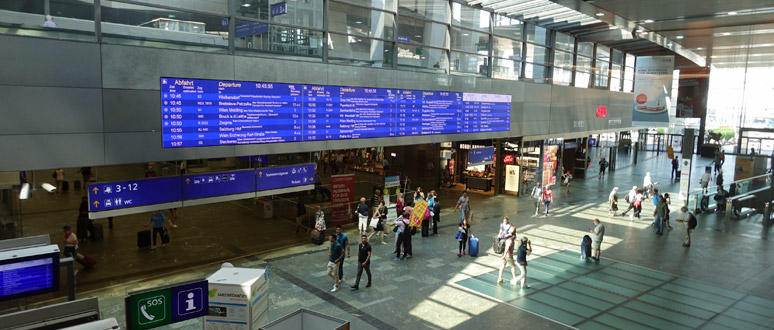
{"points": [[86, 260], [586, 247], [98, 234], [498, 245], [65, 186], [144, 239], [165, 237], [317, 237], [473, 249]]}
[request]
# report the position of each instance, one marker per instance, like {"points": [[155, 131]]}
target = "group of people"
{"points": [[542, 197]]}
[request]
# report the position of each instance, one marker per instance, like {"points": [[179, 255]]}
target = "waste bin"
{"points": [[677, 175], [304, 319]]}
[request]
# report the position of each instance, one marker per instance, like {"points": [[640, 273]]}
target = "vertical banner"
{"points": [[418, 213], [549, 165], [685, 178], [692, 93], [342, 195], [652, 90], [512, 178]]}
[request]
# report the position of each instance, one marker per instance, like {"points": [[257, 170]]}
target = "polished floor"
{"points": [[644, 280]]}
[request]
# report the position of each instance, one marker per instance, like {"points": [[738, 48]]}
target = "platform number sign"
{"points": [[162, 306]]}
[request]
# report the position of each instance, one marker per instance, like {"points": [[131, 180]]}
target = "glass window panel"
{"points": [[412, 57], [630, 59], [469, 41], [378, 4], [468, 17], [508, 27], [70, 19], [586, 48], [562, 76], [583, 71], [616, 71], [506, 69], [603, 53], [420, 32], [355, 50], [563, 59], [468, 64], [535, 73], [506, 48], [565, 42], [582, 79], [601, 73], [537, 54], [156, 27], [210, 6], [301, 13], [360, 21], [279, 40], [584, 64], [537, 34], [436, 10], [628, 85]]}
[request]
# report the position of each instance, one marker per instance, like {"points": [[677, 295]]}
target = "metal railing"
{"points": [[701, 200]]}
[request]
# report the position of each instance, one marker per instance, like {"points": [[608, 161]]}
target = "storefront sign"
{"points": [[601, 111], [652, 90], [342, 195], [392, 181], [508, 159], [512, 178]]}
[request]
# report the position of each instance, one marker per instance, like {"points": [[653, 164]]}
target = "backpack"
{"points": [[627, 198]]}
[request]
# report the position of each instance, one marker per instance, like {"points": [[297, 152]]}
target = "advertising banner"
{"points": [[652, 90], [549, 165], [685, 178], [512, 178], [692, 93], [342, 195], [392, 181], [418, 213]]}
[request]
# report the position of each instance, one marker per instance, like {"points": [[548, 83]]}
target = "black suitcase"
{"points": [[65, 186], [317, 237], [165, 237], [98, 234], [144, 239]]}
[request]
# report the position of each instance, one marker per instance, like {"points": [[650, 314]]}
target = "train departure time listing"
{"points": [[211, 112]]}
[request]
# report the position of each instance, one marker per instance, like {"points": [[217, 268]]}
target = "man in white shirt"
{"points": [[49, 22], [596, 239], [70, 242], [537, 194]]}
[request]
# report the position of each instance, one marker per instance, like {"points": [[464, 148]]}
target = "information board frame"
{"points": [[55, 278]]}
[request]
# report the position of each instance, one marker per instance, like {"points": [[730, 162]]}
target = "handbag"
{"points": [[374, 222], [458, 236]]}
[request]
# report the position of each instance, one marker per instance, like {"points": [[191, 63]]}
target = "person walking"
{"points": [[375, 199], [675, 164], [463, 234], [668, 202], [319, 223], [59, 177], [70, 242], [507, 258], [84, 225], [602, 167], [537, 194], [705, 179], [659, 213], [566, 180], [647, 184], [638, 203], [85, 175], [719, 178], [362, 216], [335, 259], [159, 227], [656, 197], [690, 225], [629, 198], [402, 236], [521, 258], [381, 214], [613, 200], [436, 214], [505, 227], [463, 205], [363, 262], [598, 233], [428, 215], [343, 240], [548, 195]]}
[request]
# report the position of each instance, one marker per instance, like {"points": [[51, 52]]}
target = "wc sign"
{"points": [[166, 305]]}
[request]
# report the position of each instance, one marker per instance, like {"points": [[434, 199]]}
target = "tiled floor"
{"points": [[617, 295]]}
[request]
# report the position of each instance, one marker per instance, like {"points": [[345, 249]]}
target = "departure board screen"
{"points": [[28, 276], [199, 112]]}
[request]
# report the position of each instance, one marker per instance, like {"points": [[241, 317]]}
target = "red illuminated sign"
{"points": [[508, 159], [601, 111]]}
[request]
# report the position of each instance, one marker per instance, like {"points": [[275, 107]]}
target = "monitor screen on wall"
{"points": [[197, 112], [28, 275]]}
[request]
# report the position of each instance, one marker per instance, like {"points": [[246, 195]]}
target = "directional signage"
{"points": [[481, 156], [126, 194], [284, 177], [161, 306], [218, 184]]}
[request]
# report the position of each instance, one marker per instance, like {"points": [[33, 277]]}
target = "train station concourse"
{"points": [[271, 164]]}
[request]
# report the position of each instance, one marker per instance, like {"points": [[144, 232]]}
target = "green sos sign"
{"points": [[161, 306]]}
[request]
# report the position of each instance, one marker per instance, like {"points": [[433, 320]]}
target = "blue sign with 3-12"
{"points": [[284, 177], [126, 194], [481, 156], [218, 184]]}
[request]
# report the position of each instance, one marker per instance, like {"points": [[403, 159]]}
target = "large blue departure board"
{"points": [[198, 112]]}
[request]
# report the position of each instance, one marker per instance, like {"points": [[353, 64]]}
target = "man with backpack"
{"points": [[630, 199], [690, 222]]}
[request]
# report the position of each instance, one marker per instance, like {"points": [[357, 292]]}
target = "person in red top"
{"points": [[547, 196], [507, 257]]}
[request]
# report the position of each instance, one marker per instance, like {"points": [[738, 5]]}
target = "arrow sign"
{"points": [[260, 174], [95, 190], [187, 181], [96, 203]]}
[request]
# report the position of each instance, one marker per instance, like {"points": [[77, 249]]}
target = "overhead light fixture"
{"points": [[48, 187], [600, 14], [245, 5], [700, 48], [644, 33], [669, 44], [726, 33], [732, 13], [417, 36], [358, 22], [648, 21], [24, 191], [679, 37]]}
